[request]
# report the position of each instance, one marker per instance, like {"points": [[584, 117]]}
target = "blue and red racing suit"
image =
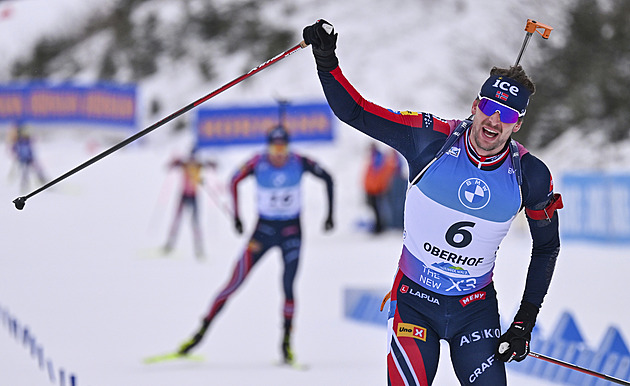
{"points": [[279, 205], [191, 178], [457, 212]]}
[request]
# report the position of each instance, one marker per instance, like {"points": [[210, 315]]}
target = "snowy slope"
{"points": [[78, 268], [78, 263]]}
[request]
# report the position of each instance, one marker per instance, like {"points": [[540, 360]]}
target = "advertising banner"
{"points": [[250, 125], [107, 104], [596, 207]]}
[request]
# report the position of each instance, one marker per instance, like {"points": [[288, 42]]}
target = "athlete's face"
{"points": [[488, 134], [278, 153]]}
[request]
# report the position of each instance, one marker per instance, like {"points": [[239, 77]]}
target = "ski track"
{"points": [[78, 266]]}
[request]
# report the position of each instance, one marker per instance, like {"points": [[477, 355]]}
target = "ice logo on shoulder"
{"points": [[474, 193]]}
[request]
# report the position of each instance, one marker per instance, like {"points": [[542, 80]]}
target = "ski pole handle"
{"points": [[530, 27], [534, 26]]}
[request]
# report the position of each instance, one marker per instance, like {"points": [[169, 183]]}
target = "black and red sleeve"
{"points": [[416, 136], [244, 171], [539, 199]]}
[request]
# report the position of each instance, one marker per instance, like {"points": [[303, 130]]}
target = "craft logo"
{"points": [[411, 331], [474, 194]]}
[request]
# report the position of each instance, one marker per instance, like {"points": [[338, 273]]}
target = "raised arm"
{"points": [[416, 136]]}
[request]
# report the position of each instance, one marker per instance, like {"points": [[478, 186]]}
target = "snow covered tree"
{"points": [[585, 83], [134, 38]]}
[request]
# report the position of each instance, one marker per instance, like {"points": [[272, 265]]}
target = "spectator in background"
{"points": [[22, 150], [191, 175], [396, 193], [377, 180]]}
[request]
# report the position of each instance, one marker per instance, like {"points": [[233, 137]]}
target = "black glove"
{"points": [[329, 224], [514, 344], [238, 225], [323, 38]]}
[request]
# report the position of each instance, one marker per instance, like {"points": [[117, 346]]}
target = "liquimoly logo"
{"points": [[411, 331], [466, 300]]}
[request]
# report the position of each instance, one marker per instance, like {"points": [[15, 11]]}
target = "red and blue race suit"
{"points": [[191, 178], [456, 215], [279, 206]]}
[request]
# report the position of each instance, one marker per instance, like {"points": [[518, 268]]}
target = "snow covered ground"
{"points": [[80, 269], [79, 265]]}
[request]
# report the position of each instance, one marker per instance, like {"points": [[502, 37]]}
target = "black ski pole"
{"points": [[21, 201], [579, 368]]}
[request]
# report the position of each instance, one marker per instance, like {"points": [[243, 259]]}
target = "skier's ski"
{"points": [[172, 357], [293, 365], [159, 253]]}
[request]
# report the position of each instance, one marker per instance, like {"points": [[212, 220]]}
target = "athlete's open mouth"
{"points": [[489, 132]]}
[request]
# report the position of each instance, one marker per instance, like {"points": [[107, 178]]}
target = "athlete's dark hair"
{"points": [[518, 74]]}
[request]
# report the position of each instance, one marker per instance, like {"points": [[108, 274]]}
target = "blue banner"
{"points": [[565, 342], [43, 103], [596, 207], [250, 125]]}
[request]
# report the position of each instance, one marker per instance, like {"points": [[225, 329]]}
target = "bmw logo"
{"points": [[474, 193]]}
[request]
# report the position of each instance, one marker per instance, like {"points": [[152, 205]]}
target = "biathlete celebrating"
{"points": [[468, 181], [278, 174]]}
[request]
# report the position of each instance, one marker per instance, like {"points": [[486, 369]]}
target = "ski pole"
{"points": [[160, 202], [217, 201], [579, 368], [21, 201], [531, 27]]}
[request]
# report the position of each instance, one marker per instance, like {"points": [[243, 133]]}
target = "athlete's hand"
{"points": [[514, 344], [329, 224], [238, 225], [323, 38]]}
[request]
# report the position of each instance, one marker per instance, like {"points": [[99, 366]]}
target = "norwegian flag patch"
{"points": [[501, 95]]}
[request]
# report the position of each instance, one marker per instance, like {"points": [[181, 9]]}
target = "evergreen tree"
{"points": [[133, 40], [585, 84]]}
